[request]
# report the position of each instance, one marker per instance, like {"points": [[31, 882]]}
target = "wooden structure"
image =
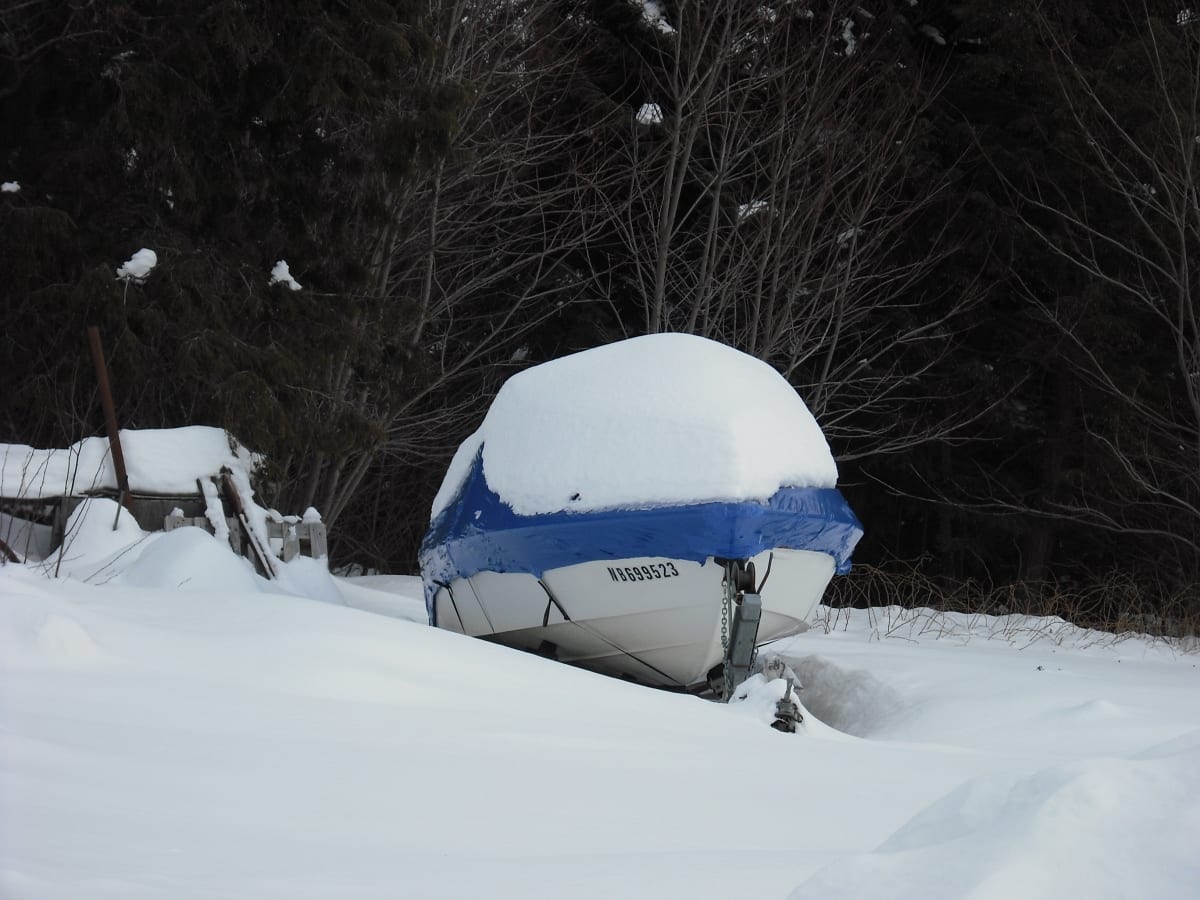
{"points": [[33, 527], [217, 506]]}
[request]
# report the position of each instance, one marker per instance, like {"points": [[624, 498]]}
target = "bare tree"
{"points": [[770, 203], [1129, 228], [749, 182], [29, 28], [486, 249]]}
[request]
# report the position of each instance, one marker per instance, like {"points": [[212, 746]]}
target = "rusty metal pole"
{"points": [[110, 417]]}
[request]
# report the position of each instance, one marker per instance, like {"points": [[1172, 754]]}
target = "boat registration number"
{"points": [[651, 572]]}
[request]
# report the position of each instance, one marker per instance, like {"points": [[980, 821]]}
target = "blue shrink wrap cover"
{"points": [[478, 532]]}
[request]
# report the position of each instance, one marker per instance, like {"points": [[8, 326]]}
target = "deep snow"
{"points": [[181, 731], [157, 461], [649, 421]]}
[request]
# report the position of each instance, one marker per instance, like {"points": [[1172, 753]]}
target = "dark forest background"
{"points": [[967, 232]]}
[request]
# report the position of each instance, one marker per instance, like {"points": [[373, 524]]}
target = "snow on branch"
{"points": [[650, 114], [138, 266], [281, 275], [653, 16]]}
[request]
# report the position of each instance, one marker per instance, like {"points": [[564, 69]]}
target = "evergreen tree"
{"points": [[225, 137]]}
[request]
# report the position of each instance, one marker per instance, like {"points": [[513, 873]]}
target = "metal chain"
{"points": [[725, 623], [726, 608]]}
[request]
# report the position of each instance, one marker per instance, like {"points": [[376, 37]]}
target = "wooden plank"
{"points": [[291, 541], [7, 552], [313, 534], [261, 555]]}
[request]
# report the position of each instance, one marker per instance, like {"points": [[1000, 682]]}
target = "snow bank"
{"points": [[853, 701], [161, 742], [654, 420], [98, 533], [395, 596], [189, 559], [158, 461], [105, 546], [1089, 828]]}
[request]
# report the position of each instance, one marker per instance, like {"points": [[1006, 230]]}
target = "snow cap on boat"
{"points": [[651, 421]]}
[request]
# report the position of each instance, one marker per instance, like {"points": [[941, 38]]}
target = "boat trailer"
{"points": [[741, 614]]}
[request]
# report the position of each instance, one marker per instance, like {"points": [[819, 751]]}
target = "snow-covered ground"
{"points": [[175, 727]]}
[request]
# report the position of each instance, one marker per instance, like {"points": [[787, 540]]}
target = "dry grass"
{"points": [[903, 601]]}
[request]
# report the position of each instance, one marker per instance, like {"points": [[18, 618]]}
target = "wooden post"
{"points": [[6, 553], [291, 541], [261, 555], [110, 415]]}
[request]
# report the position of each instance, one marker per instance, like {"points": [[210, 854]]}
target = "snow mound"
{"points": [[834, 701], [1103, 712], [65, 639], [190, 559], [186, 559], [757, 698], [304, 576], [397, 596], [163, 743], [655, 420], [98, 532], [34, 634], [1076, 829], [850, 700]]}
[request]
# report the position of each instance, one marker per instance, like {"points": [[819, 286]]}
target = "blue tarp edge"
{"points": [[479, 532]]}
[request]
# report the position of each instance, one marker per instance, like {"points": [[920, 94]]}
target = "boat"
{"points": [[655, 509]]}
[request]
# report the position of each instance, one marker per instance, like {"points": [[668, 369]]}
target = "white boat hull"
{"points": [[655, 620]]}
